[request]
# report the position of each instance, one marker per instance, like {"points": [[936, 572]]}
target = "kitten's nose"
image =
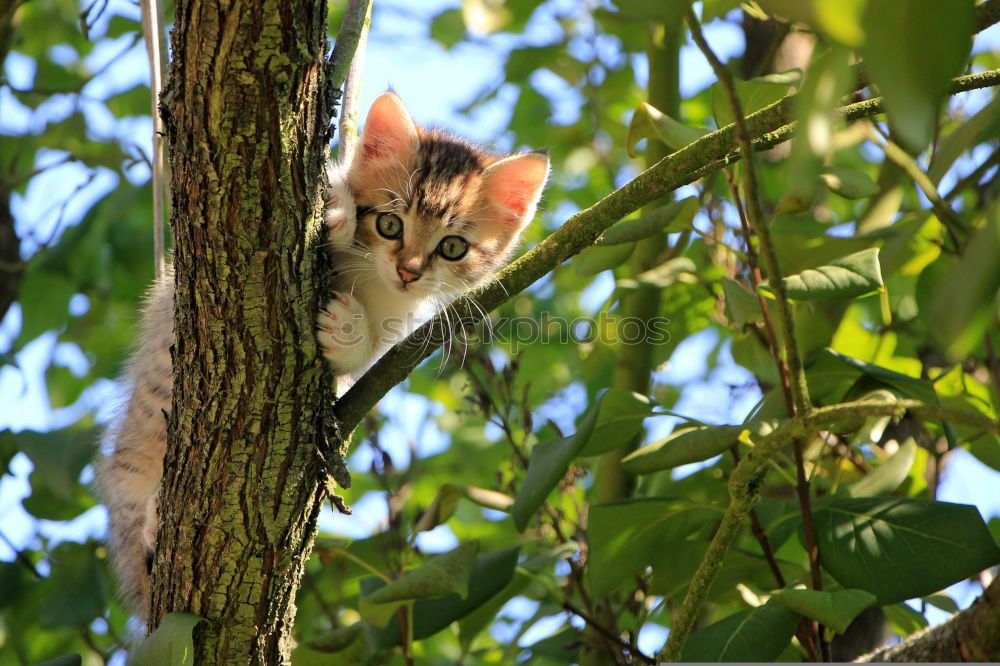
{"points": [[407, 276]]}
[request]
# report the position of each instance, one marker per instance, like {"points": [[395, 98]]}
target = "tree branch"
{"points": [[970, 635], [152, 32], [353, 35], [771, 125]]}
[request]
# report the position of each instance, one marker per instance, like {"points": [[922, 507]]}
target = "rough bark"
{"points": [[247, 120], [970, 635]]}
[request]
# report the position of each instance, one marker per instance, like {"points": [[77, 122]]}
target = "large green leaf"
{"points": [[848, 277], [834, 609], [899, 548], [74, 593], [675, 216], [443, 575], [59, 456], [490, 574], [625, 535], [648, 122], [548, 464], [620, 414], [662, 276], [687, 445], [172, 644], [754, 94], [849, 183], [596, 259], [756, 634], [912, 50]]}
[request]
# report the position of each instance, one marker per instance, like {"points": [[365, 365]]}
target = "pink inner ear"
{"points": [[516, 183], [388, 129]]}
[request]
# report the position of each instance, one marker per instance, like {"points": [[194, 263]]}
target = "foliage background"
{"points": [[566, 75]]}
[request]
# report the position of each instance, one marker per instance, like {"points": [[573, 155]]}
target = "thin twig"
{"points": [[352, 93], [607, 633], [356, 20], [152, 31]]}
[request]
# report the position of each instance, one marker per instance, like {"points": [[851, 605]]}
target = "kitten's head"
{"points": [[438, 214]]}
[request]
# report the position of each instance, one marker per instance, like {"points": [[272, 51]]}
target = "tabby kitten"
{"points": [[417, 218]]}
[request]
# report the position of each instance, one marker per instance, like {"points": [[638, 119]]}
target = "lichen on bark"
{"points": [[248, 126]]}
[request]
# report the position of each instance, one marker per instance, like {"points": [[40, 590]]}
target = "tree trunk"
{"points": [[247, 117]]}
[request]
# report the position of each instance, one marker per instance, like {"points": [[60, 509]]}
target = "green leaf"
{"points": [[904, 620], [337, 639], [912, 50], [834, 609], [675, 564], [968, 132], [826, 81], [754, 94], [59, 456], [965, 301], [687, 445], [44, 299], [899, 548], [490, 574], [849, 183], [661, 277], [741, 304], [855, 275], [74, 593], [596, 259], [448, 27], [442, 575], [888, 476], [47, 504], [446, 502], [625, 535], [648, 122], [675, 216], [548, 464], [561, 647], [755, 634], [620, 414], [172, 644]]}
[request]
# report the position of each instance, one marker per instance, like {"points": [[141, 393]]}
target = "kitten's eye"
{"points": [[453, 247], [389, 225]]}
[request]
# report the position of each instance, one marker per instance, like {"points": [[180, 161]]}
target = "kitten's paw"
{"points": [[339, 212], [342, 334]]}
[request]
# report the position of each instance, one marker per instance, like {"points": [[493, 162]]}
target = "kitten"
{"points": [[417, 218]]}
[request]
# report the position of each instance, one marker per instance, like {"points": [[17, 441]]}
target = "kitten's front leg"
{"points": [[343, 334], [340, 211]]}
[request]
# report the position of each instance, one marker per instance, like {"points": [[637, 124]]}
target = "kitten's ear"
{"points": [[389, 132], [514, 185]]}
